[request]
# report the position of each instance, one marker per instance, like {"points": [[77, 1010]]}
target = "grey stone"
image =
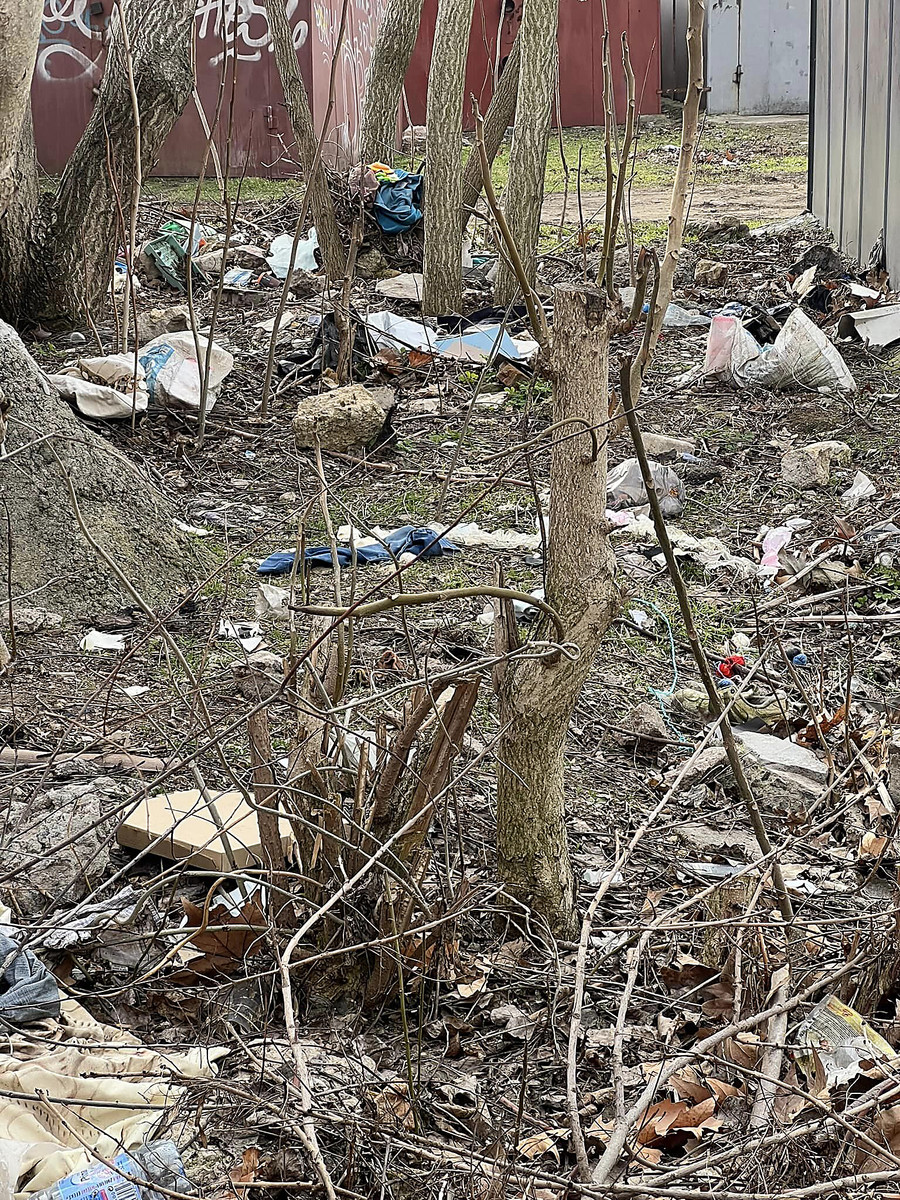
{"points": [[342, 418], [39, 827], [157, 321], [709, 273], [644, 721], [778, 754], [31, 620], [259, 676]]}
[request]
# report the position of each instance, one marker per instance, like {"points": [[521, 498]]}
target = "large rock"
{"points": [[810, 466], [156, 321], [784, 757], [67, 831], [709, 273], [343, 418]]}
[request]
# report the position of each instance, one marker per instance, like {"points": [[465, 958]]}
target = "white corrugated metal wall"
{"points": [[855, 125]]}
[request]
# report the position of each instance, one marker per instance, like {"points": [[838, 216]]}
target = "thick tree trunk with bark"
{"points": [[20, 26], [496, 123], [49, 555], [16, 224], [528, 154], [320, 200], [443, 178], [536, 696], [89, 216], [384, 79]]}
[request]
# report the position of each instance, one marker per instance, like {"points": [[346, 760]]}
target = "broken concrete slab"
{"points": [[342, 418], [779, 754], [157, 321]]}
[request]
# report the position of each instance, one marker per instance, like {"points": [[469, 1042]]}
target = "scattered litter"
{"points": [[862, 488], [28, 991], [272, 601], [95, 640], [625, 487], [174, 374], [837, 1046], [106, 388], [801, 356], [481, 343], [183, 827], [398, 202], [248, 633], [471, 534], [774, 542], [402, 545], [156, 1163], [693, 700], [402, 334], [408, 287], [304, 258], [676, 317], [193, 530], [878, 326], [135, 690]]}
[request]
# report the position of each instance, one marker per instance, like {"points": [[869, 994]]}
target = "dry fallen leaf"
{"points": [[393, 1108], [246, 1172], [538, 1144], [467, 990], [872, 846]]}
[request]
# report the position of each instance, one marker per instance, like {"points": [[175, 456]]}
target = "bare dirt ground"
{"points": [[759, 201]]}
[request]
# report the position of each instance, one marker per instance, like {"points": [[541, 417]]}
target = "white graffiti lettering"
{"points": [[242, 24]]}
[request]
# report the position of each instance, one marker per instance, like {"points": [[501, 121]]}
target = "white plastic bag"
{"points": [[105, 388], [625, 487], [173, 373], [304, 259], [801, 356]]}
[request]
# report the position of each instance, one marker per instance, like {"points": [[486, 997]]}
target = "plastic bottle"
{"points": [[154, 1162]]}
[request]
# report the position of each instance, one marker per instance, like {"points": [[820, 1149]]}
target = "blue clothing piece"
{"points": [[408, 539], [398, 206]]}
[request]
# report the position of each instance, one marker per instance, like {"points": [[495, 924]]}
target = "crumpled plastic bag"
{"points": [[174, 374], [625, 487], [801, 356], [105, 388]]}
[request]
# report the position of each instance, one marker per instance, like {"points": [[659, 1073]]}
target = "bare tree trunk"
{"points": [[528, 156], [496, 123], [443, 179], [88, 217], [20, 26], [297, 103], [384, 80], [16, 224], [536, 696]]}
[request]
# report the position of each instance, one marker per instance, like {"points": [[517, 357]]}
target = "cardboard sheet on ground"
{"points": [[188, 830], [78, 1059]]}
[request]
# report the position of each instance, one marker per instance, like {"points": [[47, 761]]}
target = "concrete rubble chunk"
{"points": [[709, 273], [779, 754], [402, 287], [39, 828], [157, 321], [658, 445], [810, 466], [343, 418]]}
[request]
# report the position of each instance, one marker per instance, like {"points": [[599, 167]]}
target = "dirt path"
{"points": [[762, 201]]}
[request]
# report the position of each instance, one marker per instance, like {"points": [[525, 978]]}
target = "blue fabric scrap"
{"points": [[398, 206], [408, 539]]}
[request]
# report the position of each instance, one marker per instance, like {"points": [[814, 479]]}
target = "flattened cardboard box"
{"points": [[188, 832]]}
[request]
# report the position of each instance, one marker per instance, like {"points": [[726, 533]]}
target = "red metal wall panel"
{"points": [[580, 55], [69, 68], [71, 54]]}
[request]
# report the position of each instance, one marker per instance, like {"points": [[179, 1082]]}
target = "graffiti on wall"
{"points": [[239, 23], [364, 18]]}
